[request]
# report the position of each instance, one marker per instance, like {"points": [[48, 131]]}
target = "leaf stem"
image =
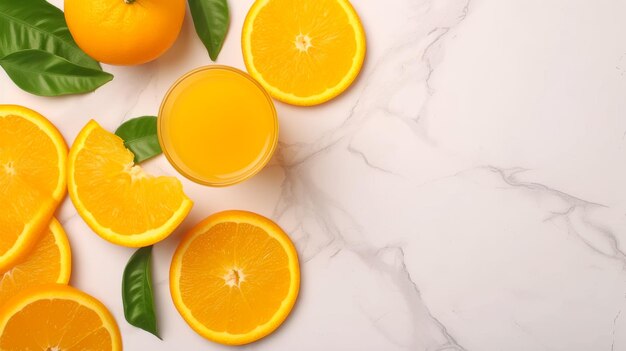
{"points": [[129, 1]]}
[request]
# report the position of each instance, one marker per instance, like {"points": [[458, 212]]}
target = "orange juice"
{"points": [[218, 126]]}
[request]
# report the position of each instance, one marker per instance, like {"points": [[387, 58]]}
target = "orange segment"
{"points": [[118, 200], [50, 261], [304, 52], [57, 317], [235, 277], [33, 157]]}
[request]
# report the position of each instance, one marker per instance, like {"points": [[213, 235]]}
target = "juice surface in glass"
{"points": [[218, 126]]}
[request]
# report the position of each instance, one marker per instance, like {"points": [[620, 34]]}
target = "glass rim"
{"points": [[267, 155]]}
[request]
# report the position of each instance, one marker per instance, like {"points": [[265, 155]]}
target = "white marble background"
{"points": [[468, 193]]}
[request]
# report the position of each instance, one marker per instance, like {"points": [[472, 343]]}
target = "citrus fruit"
{"points": [[235, 277], [304, 52], [124, 32], [116, 198], [57, 317], [33, 158], [50, 261]]}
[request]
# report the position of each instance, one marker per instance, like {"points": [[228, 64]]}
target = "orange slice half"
{"points": [[57, 317], [304, 52], [33, 158], [235, 277], [50, 261], [116, 198]]}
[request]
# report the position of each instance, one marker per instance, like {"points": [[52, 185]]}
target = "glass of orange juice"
{"points": [[217, 126]]}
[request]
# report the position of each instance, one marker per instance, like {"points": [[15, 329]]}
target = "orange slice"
{"points": [[304, 52], [33, 157], [57, 317], [116, 198], [50, 261], [235, 277]]}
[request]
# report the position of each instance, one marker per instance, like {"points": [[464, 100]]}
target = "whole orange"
{"points": [[124, 32]]}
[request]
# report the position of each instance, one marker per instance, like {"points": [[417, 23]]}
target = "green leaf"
{"points": [[36, 24], [211, 19], [137, 292], [140, 137], [45, 74]]}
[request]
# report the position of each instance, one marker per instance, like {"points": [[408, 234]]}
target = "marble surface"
{"points": [[467, 193]]}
